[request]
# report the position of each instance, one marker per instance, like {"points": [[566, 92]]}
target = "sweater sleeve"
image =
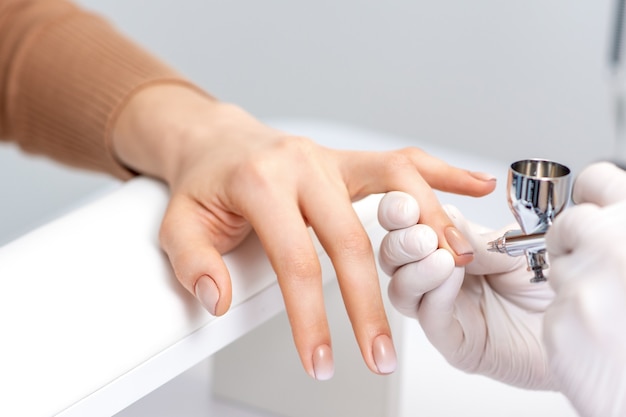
{"points": [[65, 74]]}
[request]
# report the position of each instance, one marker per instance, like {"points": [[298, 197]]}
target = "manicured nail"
{"points": [[457, 242], [323, 364], [207, 293], [384, 354], [483, 176]]}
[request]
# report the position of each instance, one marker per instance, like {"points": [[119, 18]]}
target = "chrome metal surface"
{"points": [[537, 191]]}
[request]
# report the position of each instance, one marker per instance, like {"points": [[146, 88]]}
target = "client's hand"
{"points": [[484, 317], [228, 173]]}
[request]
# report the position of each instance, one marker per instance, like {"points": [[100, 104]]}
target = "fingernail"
{"points": [[207, 293], [457, 242], [483, 176], [323, 364], [384, 354]]}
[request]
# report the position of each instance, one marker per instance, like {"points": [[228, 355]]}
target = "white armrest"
{"points": [[92, 317]]}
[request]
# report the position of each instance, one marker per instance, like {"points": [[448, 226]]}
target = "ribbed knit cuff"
{"points": [[69, 83]]}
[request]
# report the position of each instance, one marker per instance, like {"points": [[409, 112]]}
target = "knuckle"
{"points": [[263, 168], [401, 160], [256, 171], [184, 266], [309, 326], [412, 153], [354, 245], [166, 231], [301, 267], [184, 260], [295, 144]]}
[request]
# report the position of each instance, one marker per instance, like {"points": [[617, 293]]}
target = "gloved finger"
{"points": [[398, 210], [437, 310], [562, 274], [403, 246], [601, 183], [585, 346], [588, 306], [485, 262], [410, 282], [196, 262], [568, 230], [584, 244]]}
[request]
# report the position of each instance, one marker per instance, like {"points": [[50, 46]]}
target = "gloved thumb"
{"points": [[485, 262], [398, 210], [602, 183], [506, 275]]}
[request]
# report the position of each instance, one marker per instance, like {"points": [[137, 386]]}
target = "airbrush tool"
{"points": [[537, 191]]}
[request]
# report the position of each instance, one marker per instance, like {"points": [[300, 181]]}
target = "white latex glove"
{"points": [[484, 318], [585, 328]]}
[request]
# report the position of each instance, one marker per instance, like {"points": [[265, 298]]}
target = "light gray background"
{"points": [[504, 79]]}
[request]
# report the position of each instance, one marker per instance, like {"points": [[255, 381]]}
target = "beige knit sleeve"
{"points": [[64, 76]]}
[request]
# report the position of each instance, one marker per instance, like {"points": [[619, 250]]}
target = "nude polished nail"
{"points": [[457, 242], [483, 176], [384, 354], [323, 363], [207, 293]]}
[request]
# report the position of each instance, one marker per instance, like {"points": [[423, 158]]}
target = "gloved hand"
{"points": [[585, 328], [484, 318]]}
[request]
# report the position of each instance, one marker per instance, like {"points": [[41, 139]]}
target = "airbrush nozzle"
{"points": [[515, 243]]}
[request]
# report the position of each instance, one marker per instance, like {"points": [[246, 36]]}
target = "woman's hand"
{"points": [[228, 174]]}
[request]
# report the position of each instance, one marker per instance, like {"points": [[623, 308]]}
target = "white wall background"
{"points": [[504, 79]]}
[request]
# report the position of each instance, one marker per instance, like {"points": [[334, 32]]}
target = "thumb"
{"points": [[197, 264], [505, 275], [438, 313], [411, 282], [485, 262]]}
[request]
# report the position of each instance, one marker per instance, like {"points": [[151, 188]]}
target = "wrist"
{"points": [[160, 125]]}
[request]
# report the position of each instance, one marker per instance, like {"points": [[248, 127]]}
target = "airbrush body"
{"points": [[537, 190]]}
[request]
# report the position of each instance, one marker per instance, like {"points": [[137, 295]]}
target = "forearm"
{"points": [[164, 129], [65, 75], [157, 124]]}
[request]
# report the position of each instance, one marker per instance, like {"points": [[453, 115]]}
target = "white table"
{"points": [[92, 318]]}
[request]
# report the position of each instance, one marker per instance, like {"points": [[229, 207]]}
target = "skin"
{"points": [[228, 174]]}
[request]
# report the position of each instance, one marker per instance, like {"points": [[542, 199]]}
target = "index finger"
{"points": [[415, 172]]}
